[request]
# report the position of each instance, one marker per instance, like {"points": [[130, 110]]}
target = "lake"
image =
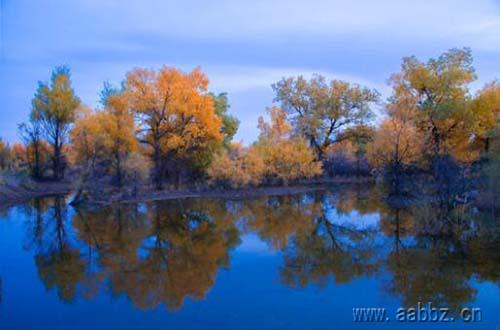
{"points": [[302, 261]]}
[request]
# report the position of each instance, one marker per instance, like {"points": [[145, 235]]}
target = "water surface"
{"points": [[299, 261]]}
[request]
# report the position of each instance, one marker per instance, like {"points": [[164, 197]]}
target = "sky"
{"points": [[243, 46]]}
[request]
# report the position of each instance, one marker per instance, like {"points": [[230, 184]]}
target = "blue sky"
{"points": [[244, 46]]}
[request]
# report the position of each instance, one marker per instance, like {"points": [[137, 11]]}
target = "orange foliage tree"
{"points": [[176, 114], [397, 142]]}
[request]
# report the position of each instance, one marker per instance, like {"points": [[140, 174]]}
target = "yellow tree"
{"points": [[176, 113], [486, 108], [396, 142], [88, 139], [237, 167], [119, 133], [285, 158], [105, 138], [54, 107], [439, 90]]}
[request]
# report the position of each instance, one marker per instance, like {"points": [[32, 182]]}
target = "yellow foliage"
{"points": [[18, 155], [237, 167], [486, 110], [344, 149], [104, 135], [88, 137], [175, 109], [395, 142], [289, 160], [436, 94], [285, 158], [274, 156], [279, 128]]}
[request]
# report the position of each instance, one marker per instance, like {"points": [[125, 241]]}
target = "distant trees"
{"points": [[54, 109], [31, 135], [4, 155], [320, 110], [276, 156]]}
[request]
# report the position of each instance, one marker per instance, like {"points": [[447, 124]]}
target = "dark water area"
{"points": [[299, 261]]}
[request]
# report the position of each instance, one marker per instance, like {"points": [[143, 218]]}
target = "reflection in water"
{"points": [[164, 252]]}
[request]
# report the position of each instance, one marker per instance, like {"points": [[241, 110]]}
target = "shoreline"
{"points": [[11, 195], [16, 193]]}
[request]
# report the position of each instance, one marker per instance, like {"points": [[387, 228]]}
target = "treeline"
{"points": [[165, 127]]}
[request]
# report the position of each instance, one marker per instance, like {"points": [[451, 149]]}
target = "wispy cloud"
{"points": [[476, 23]]}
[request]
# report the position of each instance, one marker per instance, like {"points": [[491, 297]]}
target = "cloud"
{"points": [[245, 78], [475, 23]]}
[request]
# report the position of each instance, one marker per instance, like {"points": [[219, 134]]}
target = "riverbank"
{"points": [[13, 191]]}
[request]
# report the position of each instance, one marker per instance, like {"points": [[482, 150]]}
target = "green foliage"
{"points": [[230, 123], [108, 90], [320, 110]]}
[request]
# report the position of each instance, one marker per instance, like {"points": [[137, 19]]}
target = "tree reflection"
{"points": [[327, 250], [164, 252], [179, 257], [162, 255], [438, 269], [58, 261]]}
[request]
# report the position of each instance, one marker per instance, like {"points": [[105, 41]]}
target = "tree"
{"points": [[54, 106], [31, 134], [438, 89], [486, 109], [320, 110], [176, 114], [396, 145], [349, 155], [88, 150], [397, 141], [4, 155], [103, 140], [237, 167], [88, 139], [230, 123], [285, 158], [119, 133], [18, 156]]}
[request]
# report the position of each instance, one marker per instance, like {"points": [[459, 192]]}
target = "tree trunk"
{"points": [[157, 175]]}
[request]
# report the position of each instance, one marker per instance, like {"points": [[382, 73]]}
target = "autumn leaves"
{"points": [[165, 126]]}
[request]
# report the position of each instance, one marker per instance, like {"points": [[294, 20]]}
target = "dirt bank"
{"points": [[14, 190], [250, 192]]}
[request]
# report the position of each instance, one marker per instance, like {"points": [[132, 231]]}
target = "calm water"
{"points": [[288, 262]]}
